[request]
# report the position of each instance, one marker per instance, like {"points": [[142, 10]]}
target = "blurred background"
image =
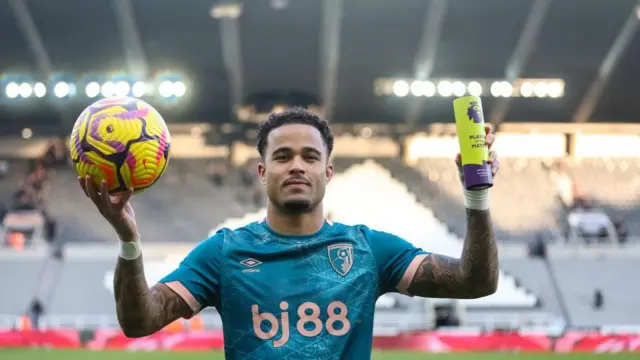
{"points": [[558, 81]]}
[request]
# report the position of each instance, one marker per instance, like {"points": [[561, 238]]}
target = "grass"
{"points": [[41, 354]]}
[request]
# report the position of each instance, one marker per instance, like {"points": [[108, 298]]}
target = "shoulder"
{"points": [[249, 231], [213, 247], [358, 228], [382, 243], [368, 234], [340, 229]]}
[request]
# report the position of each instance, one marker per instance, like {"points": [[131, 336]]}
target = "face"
{"points": [[295, 169]]}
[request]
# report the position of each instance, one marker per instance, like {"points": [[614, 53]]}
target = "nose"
{"points": [[297, 166]]}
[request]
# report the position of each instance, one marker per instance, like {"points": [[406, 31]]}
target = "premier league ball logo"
{"points": [[341, 258], [474, 112]]}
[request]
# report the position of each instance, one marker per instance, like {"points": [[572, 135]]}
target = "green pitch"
{"points": [[387, 355]]}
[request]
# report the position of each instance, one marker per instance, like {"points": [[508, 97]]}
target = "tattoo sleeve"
{"points": [[142, 310], [473, 275]]}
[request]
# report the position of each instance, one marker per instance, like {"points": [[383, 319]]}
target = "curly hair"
{"points": [[294, 115]]}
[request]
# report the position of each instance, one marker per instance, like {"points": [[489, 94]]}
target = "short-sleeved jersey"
{"points": [[296, 297]]}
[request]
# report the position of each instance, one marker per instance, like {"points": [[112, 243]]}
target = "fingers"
{"points": [[83, 185], [495, 164], [489, 140], [489, 136], [123, 199], [459, 165], [126, 196], [92, 191], [104, 193], [493, 156], [99, 196], [493, 161]]}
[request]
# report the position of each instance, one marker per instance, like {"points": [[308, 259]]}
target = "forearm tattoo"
{"points": [[473, 275], [142, 310]]}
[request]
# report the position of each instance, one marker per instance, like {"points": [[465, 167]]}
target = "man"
{"points": [[294, 285]]}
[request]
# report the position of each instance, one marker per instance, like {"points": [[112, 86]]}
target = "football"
{"points": [[122, 140]]}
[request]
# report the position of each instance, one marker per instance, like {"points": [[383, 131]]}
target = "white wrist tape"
{"points": [[130, 250], [476, 199]]}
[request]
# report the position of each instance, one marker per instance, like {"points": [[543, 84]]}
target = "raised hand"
{"points": [[493, 156], [115, 208]]}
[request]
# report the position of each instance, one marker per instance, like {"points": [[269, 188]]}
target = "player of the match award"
{"points": [[473, 147]]}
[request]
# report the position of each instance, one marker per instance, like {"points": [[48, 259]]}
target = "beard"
{"points": [[296, 207]]}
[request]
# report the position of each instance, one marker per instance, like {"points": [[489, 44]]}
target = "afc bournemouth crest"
{"points": [[341, 258]]}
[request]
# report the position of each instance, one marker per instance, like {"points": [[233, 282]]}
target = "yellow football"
{"points": [[122, 140]]}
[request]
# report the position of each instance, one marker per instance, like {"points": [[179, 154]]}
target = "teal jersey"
{"points": [[295, 297]]}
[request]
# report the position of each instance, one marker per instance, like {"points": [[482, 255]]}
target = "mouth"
{"points": [[296, 183]]}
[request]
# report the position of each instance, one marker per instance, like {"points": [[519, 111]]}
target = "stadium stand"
{"points": [[611, 184], [23, 284], [185, 195], [517, 215], [78, 219], [534, 274], [16, 171], [614, 274], [25, 189]]}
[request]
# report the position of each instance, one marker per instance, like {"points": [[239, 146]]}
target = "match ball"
{"points": [[122, 140]]}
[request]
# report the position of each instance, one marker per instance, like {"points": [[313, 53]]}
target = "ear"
{"points": [[261, 173], [328, 173]]}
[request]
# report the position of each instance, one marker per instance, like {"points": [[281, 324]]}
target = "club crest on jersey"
{"points": [[341, 258]]}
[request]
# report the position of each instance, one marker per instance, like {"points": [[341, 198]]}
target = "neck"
{"points": [[302, 224]]}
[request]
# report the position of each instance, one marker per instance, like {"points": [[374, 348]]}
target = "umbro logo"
{"points": [[250, 264]]}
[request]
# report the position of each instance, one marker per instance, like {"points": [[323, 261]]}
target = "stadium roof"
{"points": [[285, 52]]}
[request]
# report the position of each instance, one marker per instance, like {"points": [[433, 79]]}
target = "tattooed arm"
{"points": [[473, 275], [192, 286], [142, 310]]}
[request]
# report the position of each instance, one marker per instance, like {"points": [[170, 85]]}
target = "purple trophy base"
{"points": [[477, 177]]}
